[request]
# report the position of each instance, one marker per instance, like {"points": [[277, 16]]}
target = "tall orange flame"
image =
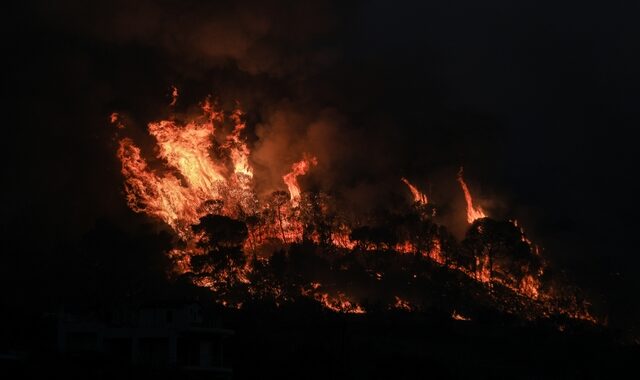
{"points": [[291, 179], [192, 182], [238, 149], [473, 213], [191, 178], [418, 197], [161, 196]]}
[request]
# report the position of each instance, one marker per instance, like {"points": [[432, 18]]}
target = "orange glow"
{"points": [[340, 303], [291, 179], [160, 196], [529, 286], [196, 172], [436, 252], [191, 178], [402, 304], [341, 238], [483, 272], [405, 247], [114, 118], [418, 197], [238, 149], [187, 182], [459, 317], [174, 96], [473, 213]]}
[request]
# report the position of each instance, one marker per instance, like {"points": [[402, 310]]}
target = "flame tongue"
{"points": [[473, 213], [162, 197], [186, 149], [291, 179], [238, 149], [418, 197], [192, 178]]}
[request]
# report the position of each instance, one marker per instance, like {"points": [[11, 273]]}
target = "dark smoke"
{"points": [[280, 38]]}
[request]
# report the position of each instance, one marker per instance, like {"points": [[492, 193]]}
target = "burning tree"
{"points": [[221, 240], [500, 252], [228, 235]]}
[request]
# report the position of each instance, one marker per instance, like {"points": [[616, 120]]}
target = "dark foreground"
{"points": [[304, 341]]}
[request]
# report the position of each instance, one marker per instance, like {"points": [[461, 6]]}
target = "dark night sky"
{"points": [[538, 101]]}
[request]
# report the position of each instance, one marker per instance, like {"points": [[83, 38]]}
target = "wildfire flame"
{"points": [[191, 178], [191, 182], [238, 149], [339, 303], [418, 197], [530, 286], [473, 213], [291, 179], [402, 304], [196, 175]]}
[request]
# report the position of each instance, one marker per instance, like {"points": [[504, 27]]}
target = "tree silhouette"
{"points": [[222, 242], [503, 246], [449, 247], [317, 218], [276, 204]]}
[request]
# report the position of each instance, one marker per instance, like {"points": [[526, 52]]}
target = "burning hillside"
{"points": [[355, 189], [295, 244]]}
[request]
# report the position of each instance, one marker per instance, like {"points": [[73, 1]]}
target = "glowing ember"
{"points": [[114, 118], [435, 253], [405, 247], [402, 304], [473, 213], [483, 271], [291, 179], [340, 303], [529, 286], [459, 317], [418, 197], [341, 238], [174, 96]]}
